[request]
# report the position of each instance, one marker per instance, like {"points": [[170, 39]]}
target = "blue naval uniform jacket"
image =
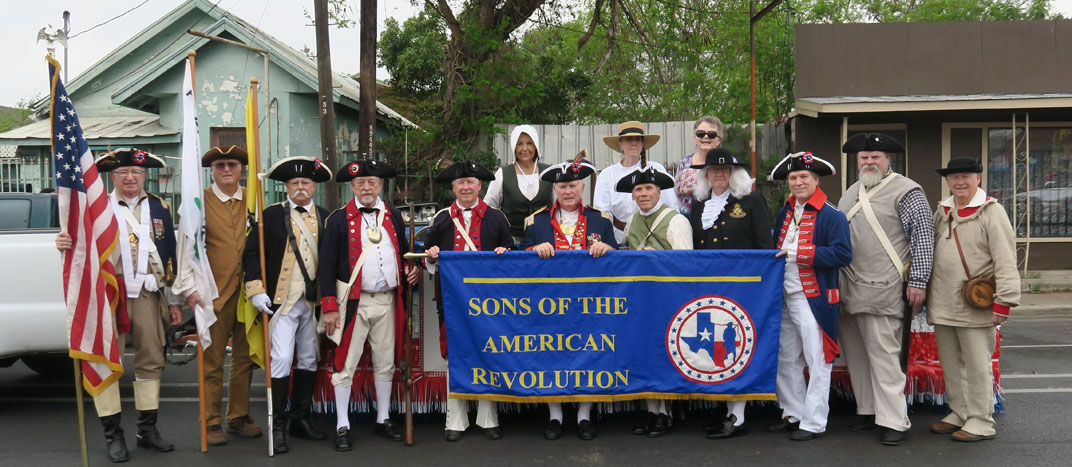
{"points": [[538, 228], [163, 232], [824, 247]]}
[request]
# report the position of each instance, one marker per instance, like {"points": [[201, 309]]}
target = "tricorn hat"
{"points": [[801, 161], [231, 152], [128, 157], [464, 169], [648, 174], [365, 168], [961, 165], [872, 142], [567, 171], [299, 166], [632, 128], [718, 156]]}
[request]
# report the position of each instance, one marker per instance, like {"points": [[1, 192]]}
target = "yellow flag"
{"points": [[247, 313]]}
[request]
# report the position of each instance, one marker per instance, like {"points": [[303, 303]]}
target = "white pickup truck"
{"points": [[33, 317]]}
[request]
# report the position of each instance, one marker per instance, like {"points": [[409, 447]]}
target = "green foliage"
{"points": [[14, 117], [413, 54]]}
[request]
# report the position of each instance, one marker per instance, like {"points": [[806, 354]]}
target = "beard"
{"points": [[870, 178]]}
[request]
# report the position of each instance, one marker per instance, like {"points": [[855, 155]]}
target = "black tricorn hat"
{"points": [[718, 156], [464, 169], [801, 161], [961, 165], [231, 152], [299, 166], [365, 168], [872, 142], [567, 171], [648, 174], [128, 157]]}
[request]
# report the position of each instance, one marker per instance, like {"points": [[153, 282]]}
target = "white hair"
{"points": [[740, 184]]}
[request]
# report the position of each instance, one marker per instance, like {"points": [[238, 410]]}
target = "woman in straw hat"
{"points": [[633, 143]]}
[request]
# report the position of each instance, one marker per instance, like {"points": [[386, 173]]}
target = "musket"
{"points": [[906, 329], [407, 362]]}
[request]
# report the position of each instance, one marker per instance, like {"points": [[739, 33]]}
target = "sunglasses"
{"points": [[226, 164], [709, 134]]}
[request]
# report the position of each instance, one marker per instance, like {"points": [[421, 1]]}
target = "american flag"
{"points": [[90, 287]]}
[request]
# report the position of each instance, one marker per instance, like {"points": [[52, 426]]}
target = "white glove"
{"points": [[262, 302]]}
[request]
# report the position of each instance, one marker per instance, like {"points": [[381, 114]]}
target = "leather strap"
{"points": [[963, 262], [294, 245], [651, 229], [872, 220]]}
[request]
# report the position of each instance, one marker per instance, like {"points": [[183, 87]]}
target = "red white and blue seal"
{"points": [[711, 339], [139, 157]]}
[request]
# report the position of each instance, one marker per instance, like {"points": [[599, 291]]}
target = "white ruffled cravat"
{"points": [[713, 207]]}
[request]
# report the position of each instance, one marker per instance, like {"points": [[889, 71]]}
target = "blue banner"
{"points": [[697, 324]]}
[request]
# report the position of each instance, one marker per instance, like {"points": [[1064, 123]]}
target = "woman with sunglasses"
{"points": [[708, 133]]}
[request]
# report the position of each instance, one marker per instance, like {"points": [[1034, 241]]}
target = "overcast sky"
{"points": [[27, 74]]}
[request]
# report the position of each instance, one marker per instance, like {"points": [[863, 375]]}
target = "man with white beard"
{"points": [[893, 252]]}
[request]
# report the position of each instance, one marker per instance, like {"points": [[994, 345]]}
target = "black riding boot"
{"points": [[280, 395], [300, 402], [148, 436], [113, 434]]}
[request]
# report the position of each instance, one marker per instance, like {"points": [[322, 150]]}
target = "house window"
{"points": [[1044, 176], [897, 159], [227, 136]]}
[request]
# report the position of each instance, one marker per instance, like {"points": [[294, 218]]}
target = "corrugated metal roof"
{"points": [[97, 127], [928, 98]]}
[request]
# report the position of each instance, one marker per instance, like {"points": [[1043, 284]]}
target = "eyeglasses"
{"points": [[225, 164], [709, 134], [134, 172]]}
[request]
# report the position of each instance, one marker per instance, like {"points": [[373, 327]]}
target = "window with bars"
{"points": [[227, 136]]}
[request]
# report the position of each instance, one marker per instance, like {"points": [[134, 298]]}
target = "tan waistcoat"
{"points": [[225, 238], [872, 284]]}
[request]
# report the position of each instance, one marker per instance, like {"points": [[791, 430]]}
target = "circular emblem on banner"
{"points": [[139, 157], [354, 168], [711, 339]]}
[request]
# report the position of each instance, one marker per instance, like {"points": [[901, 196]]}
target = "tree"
{"points": [[14, 117]]}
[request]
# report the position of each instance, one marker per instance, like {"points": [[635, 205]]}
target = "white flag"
{"points": [[192, 257]]}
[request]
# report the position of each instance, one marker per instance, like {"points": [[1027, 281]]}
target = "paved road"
{"points": [[39, 427]]}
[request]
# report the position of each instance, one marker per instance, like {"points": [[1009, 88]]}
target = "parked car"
{"points": [[33, 316]]}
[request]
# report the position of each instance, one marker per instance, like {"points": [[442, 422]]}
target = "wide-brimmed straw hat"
{"points": [[630, 129]]}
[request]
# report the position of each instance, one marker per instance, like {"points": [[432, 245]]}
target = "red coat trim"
{"points": [[474, 224], [1000, 309], [580, 237]]}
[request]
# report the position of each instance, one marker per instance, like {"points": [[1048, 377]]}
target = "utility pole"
{"points": [[366, 119], [329, 155]]}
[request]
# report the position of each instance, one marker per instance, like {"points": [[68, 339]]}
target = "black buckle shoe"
{"points": [[552, 430], [452, 435], [864, 423], [783, 425], [729, 429], [152, 440], [891, 437], [660, 427], [387, 430], [586, 430], [493, 433], [342, 440], [645, 428], [303, 429], [805, 435]]}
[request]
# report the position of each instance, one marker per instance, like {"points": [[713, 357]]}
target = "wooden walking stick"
{"points": [[201, 417], [260, 245], [81, 409]]}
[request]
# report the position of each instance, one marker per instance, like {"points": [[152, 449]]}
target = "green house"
{"points": [[132, 97]]}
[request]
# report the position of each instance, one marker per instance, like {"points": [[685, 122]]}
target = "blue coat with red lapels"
{"points": [[824, 247]]}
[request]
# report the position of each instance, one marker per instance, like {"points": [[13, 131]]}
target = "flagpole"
{"points": [[81, 410], [255, 178], [192, 56]]}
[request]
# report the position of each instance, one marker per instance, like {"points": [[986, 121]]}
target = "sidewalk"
{"points": [[1038, 305]]}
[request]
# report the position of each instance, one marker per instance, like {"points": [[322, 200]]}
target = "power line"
{"points": [[109, 21], [701, 10]]}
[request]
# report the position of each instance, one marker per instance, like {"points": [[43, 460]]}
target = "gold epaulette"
{"points": [[532, 217], [161, 200]]}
